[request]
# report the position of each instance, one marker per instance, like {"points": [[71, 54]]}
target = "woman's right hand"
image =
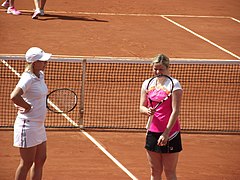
{"points": [[151, 111]]}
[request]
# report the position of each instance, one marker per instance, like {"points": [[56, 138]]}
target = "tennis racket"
{"points": [[61, 100], [164, 84]]}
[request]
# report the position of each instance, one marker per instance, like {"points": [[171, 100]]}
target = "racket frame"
{"points": [[59, 111]]}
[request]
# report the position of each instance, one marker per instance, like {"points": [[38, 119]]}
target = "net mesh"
{"points": [[211, 100]]}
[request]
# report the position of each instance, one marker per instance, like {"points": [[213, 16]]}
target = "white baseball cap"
{"points": [[36, 54]]}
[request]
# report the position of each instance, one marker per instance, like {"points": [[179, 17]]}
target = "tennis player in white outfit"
{"points": [[29, 96]]}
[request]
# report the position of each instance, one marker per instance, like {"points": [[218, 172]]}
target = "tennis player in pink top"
{"points": [[163, 138]]}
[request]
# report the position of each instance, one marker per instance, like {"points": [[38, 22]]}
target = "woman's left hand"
{"points": [[22, 110]]}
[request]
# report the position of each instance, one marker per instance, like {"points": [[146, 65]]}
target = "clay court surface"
{"points": [[125, 28], [72, 156]]}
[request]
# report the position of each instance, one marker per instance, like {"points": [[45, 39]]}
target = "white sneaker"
{"points": [[36, 14], [12, 10], [5, 4]]}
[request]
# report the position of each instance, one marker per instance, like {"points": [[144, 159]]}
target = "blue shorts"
{"points": [[174, 143]]}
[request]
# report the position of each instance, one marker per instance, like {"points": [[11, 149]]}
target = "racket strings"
{"points": [[160, 91], [165, 84], [61, 101], [161, 80], [159, 94]]}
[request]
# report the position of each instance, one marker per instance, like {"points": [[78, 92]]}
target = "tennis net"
{"points": [[109, 92]]}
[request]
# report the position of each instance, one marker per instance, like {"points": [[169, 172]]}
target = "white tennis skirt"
{"points": [[28, 133]]}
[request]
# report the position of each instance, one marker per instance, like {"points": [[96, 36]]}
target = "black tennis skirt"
{"points": [[174, 143]]}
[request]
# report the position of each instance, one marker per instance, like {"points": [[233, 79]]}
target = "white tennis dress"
{"points": [[29, 129]]}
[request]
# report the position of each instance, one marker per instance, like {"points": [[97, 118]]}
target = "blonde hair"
{"points": [[29, 67], [161, 59]]}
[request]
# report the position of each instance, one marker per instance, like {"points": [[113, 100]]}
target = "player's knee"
{"points": [[26, 164], [170, 174], [156, 172], [40, 161]]}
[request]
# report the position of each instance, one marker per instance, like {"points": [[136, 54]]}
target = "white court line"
{"points": [[109, 155], [234, 19], [203, 38], [84, 132], [131, 14], [123, 14], [195, 16]]}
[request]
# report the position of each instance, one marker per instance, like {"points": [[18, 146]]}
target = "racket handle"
{"points": [[149, 122]]}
